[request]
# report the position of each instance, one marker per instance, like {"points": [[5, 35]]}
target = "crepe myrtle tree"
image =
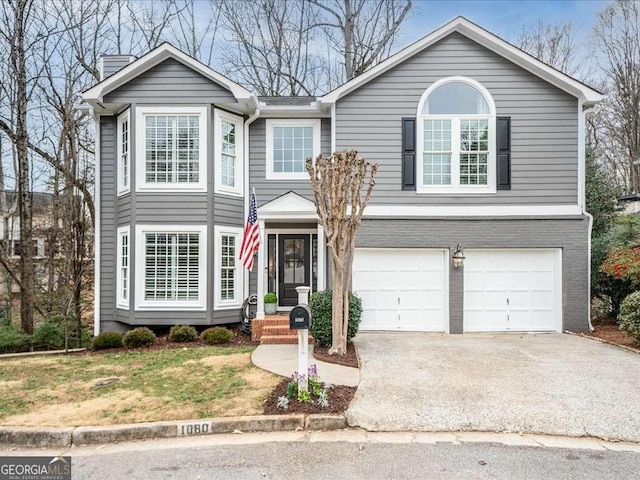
{"points": [[341, 196]]}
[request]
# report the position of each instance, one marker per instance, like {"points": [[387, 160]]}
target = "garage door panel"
{"points": [[511, 290], [402, 289]]}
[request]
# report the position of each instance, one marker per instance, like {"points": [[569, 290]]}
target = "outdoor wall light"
{"points": [[458, 256]]}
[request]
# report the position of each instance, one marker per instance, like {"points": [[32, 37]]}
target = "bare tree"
{"points": [[363, 31], [338, 182], [273, 57], [195, 32], [553, 43], [616, 35]]}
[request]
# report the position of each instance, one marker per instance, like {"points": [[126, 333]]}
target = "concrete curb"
{"points": [[35, 354], [67, 436]]}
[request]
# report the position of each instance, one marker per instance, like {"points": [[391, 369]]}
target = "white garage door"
{"points": [[402, 289], [512, 290]]}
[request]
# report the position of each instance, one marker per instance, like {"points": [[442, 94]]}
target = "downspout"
{"points": [[96, 229], [582, 199], [249, 121]]}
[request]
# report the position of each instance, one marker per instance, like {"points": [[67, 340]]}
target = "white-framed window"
{"points": [[123, 152], [123, 275], [228, 269], [171, 149], [229, 162], [456, 148], [289, 143], [171, 267]]}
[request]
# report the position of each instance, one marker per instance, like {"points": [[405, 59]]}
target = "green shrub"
{"points": [[321, 329], [49, 334], [216, 335], [629, 317], [13, 340], [270, 298], [182, 333], [139, 337], [107, 340]]}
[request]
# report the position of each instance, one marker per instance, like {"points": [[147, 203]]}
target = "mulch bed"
{"points": [[350, 359], [607, 329], [162, 343], [339, 399]]}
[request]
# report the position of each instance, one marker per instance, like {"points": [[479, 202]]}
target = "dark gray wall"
{"points": [[267, 190], [544, 124], [568, 233], [170, 82]]}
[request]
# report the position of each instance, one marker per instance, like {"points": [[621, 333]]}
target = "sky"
{"points": [[504, 18]]}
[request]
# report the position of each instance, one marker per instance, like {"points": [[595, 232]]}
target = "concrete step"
{"points": [[281, 339]]}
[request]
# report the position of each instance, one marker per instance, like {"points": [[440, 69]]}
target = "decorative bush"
{"points": [[50, 334], [13, 340], [107, 340], [270, 298], [182, 333], [321, 329], [139, 337], [216, 335], [629, 317], [622, 263]]}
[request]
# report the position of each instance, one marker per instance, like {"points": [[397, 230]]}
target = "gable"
{"points": [[587, 95], [170, 82]]}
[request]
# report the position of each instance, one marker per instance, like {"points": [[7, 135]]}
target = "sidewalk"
{"points": [[283, 360]]}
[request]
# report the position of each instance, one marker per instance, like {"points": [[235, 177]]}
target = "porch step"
{"points": [[278, 330], [281, 339], [278, 320]]}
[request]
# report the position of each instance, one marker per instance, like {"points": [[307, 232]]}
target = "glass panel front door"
{"points": [[294, 267]]}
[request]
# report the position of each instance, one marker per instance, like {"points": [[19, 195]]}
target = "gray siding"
{"points": [[267, 190], [228, 211], [124, 209], [176, 208], [107, 294], [569, 233], [170, 82], [113, 63], [544, 125]]}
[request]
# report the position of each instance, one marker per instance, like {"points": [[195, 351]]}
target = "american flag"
{"points": [[251, 237]]}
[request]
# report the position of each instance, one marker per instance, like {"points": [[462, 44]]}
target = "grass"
{"points": [[174, 384]]}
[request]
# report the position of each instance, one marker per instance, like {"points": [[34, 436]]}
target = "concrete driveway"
{"points": [[549, 383]]}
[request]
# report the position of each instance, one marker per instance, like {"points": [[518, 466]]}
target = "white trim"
{"points": [[261, 270], [333, 128], [483, 37], [322, 268], [121, 302], [97, 230], [236, 232], [123, 187], [471, 210], [245, 197], [153, 58], [140, 139], [455, 187], [289, 122], [238, 189], [146, 305]]}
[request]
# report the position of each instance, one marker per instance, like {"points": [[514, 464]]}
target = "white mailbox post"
{"points": [[300, 319]]}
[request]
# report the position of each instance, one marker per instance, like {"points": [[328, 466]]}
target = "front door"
{"points": [[294, 267]]}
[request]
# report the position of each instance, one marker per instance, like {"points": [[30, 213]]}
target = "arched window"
{"points": [[456, 138]]}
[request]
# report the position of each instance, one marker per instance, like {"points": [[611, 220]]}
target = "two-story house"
{"points": [[478, 144]]}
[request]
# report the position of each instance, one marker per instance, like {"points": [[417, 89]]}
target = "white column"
{"points": [[260, 272], [322, 268], [303, 295]]}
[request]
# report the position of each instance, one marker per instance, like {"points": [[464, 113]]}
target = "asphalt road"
{"points": [[354, 460]]}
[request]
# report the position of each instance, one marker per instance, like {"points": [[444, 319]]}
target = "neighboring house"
{"points": [[478, 144], [42, 223]]}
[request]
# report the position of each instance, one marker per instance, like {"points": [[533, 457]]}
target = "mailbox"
{"points": [[300, 318]]}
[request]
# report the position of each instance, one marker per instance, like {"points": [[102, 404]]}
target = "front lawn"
{"points": [[135, 386]]}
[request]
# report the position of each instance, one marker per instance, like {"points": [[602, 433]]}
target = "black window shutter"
{"points": [[409, 153], [503, 137]]}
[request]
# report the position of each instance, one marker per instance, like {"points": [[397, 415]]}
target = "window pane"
{"points": [[172, 266], [172, 140], [228, 267], [455, 98], [437, 169], [291, 147]]}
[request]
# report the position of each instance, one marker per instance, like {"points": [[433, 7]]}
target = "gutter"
{"points": [[583, 106]]}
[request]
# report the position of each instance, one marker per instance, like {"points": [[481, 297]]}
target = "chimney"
{"points": [[110, 64]]}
